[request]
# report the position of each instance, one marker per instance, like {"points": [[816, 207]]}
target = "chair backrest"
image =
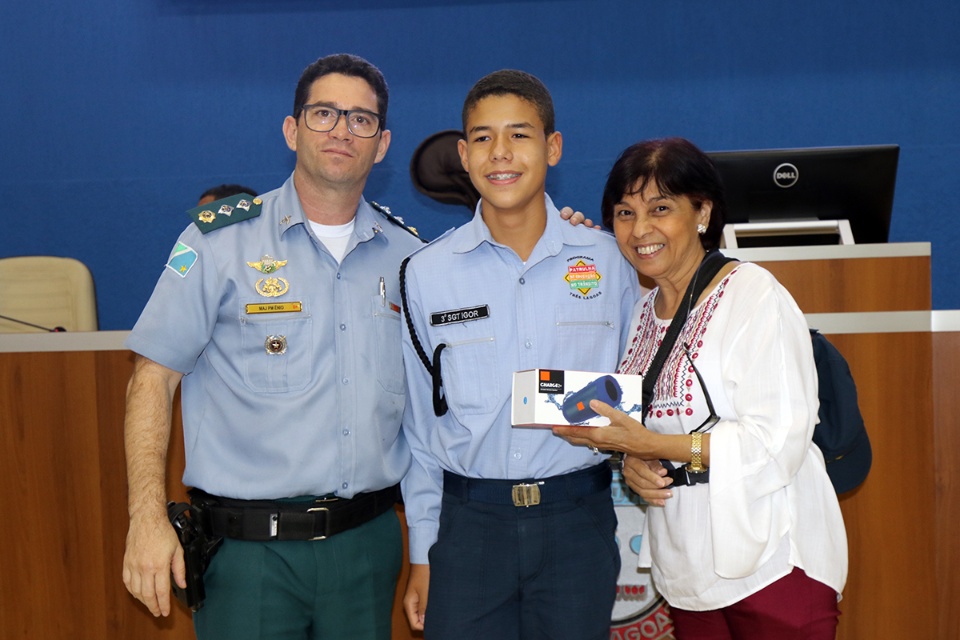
{"points": [[47, 291]]}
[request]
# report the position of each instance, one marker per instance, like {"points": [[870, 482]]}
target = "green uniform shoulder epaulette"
{"points": [[397, 220], [220, 213]]}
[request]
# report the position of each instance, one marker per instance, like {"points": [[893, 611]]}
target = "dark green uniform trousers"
{"points": [[341, 588]]}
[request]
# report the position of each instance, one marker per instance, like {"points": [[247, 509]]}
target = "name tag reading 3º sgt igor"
{"points": [[459, 315], [275, 307]]}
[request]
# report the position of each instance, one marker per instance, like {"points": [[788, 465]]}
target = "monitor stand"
{"points": [[786, 233]]}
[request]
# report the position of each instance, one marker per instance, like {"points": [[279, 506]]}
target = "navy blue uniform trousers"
{"points": [[522, 573]]}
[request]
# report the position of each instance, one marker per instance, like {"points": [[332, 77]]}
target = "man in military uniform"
{"points": [[279, 316]]}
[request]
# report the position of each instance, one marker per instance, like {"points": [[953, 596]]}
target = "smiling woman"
{"points": [[725, 545]]}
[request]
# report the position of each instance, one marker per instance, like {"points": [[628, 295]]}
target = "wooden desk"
{"points": [[63, 489], [63, 478], [873, 301]]}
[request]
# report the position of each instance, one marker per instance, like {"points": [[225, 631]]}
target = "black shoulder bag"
{"points": [[708, 269]]}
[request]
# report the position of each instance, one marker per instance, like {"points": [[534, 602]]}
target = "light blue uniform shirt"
{"points": [[567, 307], [324, 415]]}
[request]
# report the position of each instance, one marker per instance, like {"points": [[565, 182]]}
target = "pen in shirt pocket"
{"points": [[383, 293]]}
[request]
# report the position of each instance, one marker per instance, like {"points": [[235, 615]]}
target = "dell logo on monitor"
{"points": [[786, 175]]}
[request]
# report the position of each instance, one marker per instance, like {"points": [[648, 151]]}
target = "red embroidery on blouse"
{"points": [[675, 387]]}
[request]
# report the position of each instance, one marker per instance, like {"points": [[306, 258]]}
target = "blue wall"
{"points": [[115, 115]]}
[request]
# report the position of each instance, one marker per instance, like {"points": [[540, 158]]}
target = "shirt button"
{"points": [[345, 381], [528, 344], [344, 485], [346, 432], [518, 455], [523, 281], [338, 276], [343, 327]]}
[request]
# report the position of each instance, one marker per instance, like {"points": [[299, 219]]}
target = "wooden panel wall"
{"points": [[890, 518], [64, 499], [857, 284], [946, 389], [51, 572]]}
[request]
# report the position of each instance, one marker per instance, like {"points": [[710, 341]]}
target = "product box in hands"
{"points": [[547, 397]]}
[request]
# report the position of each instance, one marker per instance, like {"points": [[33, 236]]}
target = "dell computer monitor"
{"points": [[817, 183]]}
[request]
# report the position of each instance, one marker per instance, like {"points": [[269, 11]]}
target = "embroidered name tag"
{"points": [[459, 315], [276, 307]]}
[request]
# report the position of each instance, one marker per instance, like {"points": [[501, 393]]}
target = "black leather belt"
{"points": [[682, 477], [263, 520], [529, 493]]}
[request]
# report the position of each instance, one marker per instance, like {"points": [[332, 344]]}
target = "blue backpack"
{"points": [[841, 434]]}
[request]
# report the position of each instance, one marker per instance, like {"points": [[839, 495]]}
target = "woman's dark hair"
{"points": [[678, 168]]}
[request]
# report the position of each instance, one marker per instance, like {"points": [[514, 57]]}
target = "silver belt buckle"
{"points": [[326, 520], [526, 495]]}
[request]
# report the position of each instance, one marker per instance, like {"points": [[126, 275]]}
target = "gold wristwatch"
{"points": [[696, 449]]}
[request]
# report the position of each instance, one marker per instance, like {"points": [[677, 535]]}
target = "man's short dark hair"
{"points": [[348, 65], [227, 190], [511, 82]]}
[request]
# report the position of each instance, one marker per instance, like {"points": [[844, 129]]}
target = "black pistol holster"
{"points": [[198, 549]]}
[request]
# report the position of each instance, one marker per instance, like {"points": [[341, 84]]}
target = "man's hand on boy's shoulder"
{"points": [[576, 218]]}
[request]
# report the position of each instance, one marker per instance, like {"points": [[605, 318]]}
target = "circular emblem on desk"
{"points": [[639, 612], [275, 345]]}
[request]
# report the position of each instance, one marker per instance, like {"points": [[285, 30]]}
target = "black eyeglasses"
{"points": [[713, 418], [323, 118]]}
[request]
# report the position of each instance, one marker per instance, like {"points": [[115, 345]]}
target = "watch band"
{"points": [[696, 450]]}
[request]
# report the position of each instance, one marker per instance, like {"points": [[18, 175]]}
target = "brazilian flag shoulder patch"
{"points": [[225, 211]]}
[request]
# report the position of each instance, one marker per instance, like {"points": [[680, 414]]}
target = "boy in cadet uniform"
{"points": [[493, 297], [279, 316]]}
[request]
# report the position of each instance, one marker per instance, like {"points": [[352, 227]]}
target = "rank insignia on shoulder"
{"points": [[226, 211], [397, 220]]}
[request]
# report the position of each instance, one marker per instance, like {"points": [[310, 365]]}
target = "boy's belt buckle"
{"points": [[526, 495]]}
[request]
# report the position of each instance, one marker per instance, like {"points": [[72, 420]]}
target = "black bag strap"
{"points": [[708, 269]]}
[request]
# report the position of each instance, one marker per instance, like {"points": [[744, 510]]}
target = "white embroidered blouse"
{"points": [[769, 505]]}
